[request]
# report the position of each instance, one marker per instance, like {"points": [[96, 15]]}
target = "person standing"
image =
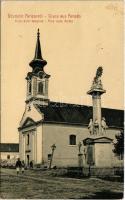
{"points": [[31, 164], [18, 165], [23, 166]]}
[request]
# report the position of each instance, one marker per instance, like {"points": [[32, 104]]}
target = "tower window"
{"points": [[30, 87], [40, 88], [28, 139], [72, 139]]}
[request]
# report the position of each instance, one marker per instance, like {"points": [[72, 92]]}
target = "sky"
{"points": [[76, 37]]}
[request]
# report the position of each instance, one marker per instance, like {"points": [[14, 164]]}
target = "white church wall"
{"points": [[42, 137], [27, 144], [64, 154], [31, 112]]}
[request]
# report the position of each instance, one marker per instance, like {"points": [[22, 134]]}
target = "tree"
{"points": [[119, 145]]}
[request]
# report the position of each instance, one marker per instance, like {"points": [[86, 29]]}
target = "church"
{"points": [[66, 135]]}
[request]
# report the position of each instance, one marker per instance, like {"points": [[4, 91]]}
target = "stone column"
{"points": [[32, 148], [96, 91], [35, 148], [96, 99], [20, 145], [24, 157]]}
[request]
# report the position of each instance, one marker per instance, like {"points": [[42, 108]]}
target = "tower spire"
{"points": [[38, 54], [38, 61]]}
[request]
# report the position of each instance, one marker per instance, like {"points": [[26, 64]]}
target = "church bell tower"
{"points": [[37, 80]]}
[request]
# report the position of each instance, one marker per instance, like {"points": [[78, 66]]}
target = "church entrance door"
{"points": [[28, 158]]}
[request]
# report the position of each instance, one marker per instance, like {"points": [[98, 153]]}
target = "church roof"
{"points": [[67, 113], [9, 147]]}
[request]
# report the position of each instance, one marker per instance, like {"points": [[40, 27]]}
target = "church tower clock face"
{"points": [[37, 80]]}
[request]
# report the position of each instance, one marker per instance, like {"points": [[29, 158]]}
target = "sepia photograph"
{"points": [[62, 99]]}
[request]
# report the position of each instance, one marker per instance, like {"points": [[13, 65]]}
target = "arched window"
{"points": [[40, 88], [30, 87], [72, 139], [28, 139]]}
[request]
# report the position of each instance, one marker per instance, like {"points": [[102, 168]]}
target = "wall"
{"points": [[46, 135], [34, 148], [39, 145], [65, 154]]}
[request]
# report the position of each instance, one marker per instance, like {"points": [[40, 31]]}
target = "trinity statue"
{"points": [[94, 127], [97, 84]]}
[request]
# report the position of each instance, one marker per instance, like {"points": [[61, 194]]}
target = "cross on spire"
{"points": [[38, 54], [38, 33]]}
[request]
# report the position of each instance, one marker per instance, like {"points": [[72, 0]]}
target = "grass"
{"points": [[42, 185]]}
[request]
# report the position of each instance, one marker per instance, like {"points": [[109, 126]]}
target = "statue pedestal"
{"points": [[99, 151]]}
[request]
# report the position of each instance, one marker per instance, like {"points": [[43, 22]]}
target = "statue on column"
{"points": [[79, 146], [97, 81], [96, 127], [93, 127], [104, 125], [90, 127]]}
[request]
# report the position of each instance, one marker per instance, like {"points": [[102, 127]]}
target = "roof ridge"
{"points": [[85, 105]]}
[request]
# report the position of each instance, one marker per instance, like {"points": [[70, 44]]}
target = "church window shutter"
{"points": [[72, 139], [40, 88], [30, 87]]}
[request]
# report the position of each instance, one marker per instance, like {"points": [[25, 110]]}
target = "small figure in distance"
{"points": [[23, 166], [18, 165], [31, 164]]}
